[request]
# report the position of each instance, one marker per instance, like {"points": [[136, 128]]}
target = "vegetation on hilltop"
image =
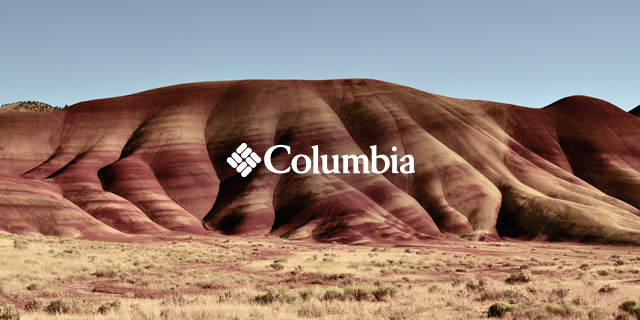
{"points": [[28, 106]]}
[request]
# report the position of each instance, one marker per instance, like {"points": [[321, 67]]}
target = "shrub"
{"points": [[108, 306], [516, 296], [560, 292], [333, 293], [397, 316], [579, 301], [9, 312], [458, 281], [225, 296], [382, 292], [21, 244], [276, 293], [498, 309], [630, 307], [35, 305], [520, 277], [627, 305], [277, 266], [312, 292], [477, 285], [490, 295], [106, 273], [34, 286], [55, 307], [360, 292], [209, 285], [607, 288], [69, 306]]}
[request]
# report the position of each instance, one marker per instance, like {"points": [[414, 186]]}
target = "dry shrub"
{"points": [[277, 266], [607, 288], [108, 306], [478, 284], [382, 293], [35, 305], [104, 272], [34, 286], [333, 293], [9, 312], [498, 310], [21, 244], [520, 277], [69, 306], [627, 305], [360, 292], [560, 292], [275, 294], [312, 292]]}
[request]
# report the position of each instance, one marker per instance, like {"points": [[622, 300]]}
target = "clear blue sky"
{"points": [[528, 53]]}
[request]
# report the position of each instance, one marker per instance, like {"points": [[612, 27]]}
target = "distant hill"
{"points": [[27, 106]]}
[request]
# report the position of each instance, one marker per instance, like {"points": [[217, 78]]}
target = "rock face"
{"points": [[155, 163]]}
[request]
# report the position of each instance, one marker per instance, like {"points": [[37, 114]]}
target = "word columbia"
{"points": [[244, 160]]}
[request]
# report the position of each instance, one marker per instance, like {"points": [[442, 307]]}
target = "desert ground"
{"points": [[145, 180], [221, 277]]}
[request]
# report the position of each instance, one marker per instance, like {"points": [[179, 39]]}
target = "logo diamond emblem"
{"points": [[244, 160]]}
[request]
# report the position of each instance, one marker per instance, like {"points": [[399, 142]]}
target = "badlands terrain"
{"points": [[127, 207], [155, 163]]}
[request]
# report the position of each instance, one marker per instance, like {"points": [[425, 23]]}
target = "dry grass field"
{"points": [[271, 278]]}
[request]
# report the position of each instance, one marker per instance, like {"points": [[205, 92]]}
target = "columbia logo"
{"points": [[244, 160]]}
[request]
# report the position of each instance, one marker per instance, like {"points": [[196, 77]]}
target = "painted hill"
{"points": [[155, 163]]}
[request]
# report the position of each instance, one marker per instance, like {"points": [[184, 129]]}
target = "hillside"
{"points": [[27, 106], [155, 163]]}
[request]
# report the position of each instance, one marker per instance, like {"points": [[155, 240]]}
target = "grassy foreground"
{"points": [[271, 278]]}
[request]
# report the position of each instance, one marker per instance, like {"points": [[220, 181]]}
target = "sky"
{"points": [[528, 53]]}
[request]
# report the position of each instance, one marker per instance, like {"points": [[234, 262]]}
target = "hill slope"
{"points": [[27, 106], [155, 163]]}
